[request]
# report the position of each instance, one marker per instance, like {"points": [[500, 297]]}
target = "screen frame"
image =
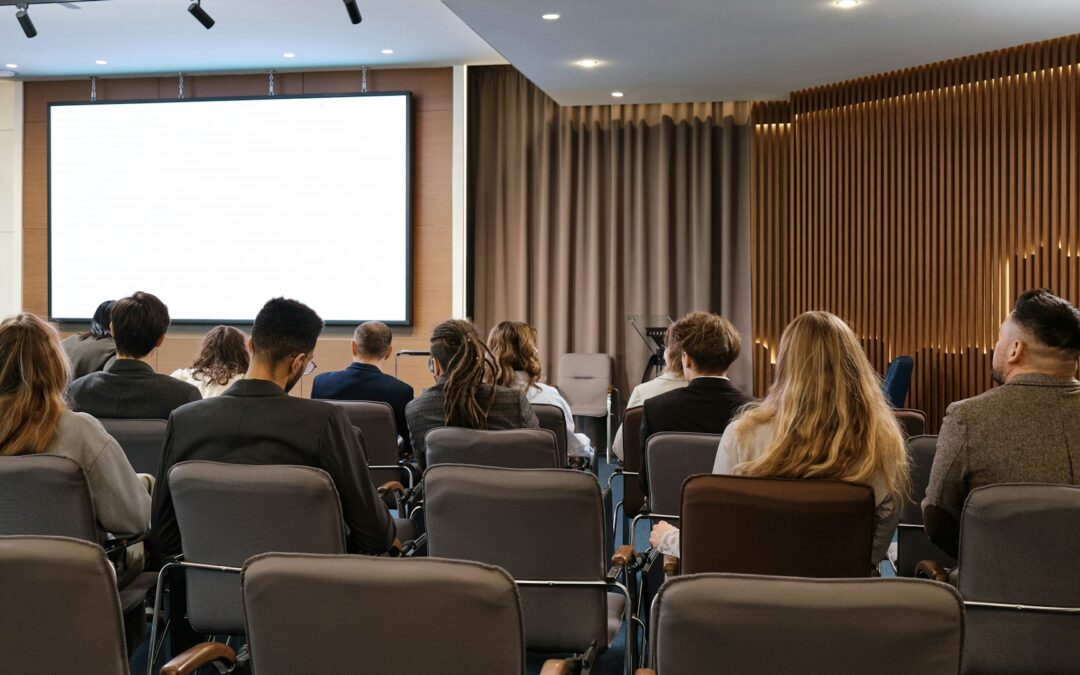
{"points": [[409, 148]]}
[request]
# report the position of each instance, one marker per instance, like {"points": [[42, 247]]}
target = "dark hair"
{"points": [[467, 363], [222, 355], [283, 329], [1051, 320], [373, 339], [709, 339], [138, 322], [99, 325]]}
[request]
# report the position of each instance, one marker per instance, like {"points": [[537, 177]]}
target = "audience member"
{"points": [[257, 422], [517, 365], [462, 396], [824, 417], [670, 379], [129, 388], [223, 359], [363, 380], [1024, 431], [710, 344], [35, 419], [93, 350]]}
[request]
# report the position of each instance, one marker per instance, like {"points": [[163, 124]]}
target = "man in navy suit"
{"points": [[363, 380]]}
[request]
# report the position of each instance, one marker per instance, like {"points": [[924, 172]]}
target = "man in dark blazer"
{"points": [[129, 388], [363, 379], [710, 344]]}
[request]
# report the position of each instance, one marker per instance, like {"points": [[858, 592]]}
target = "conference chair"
{"points": [[229, 512], [912, 422], [633, 498], [141, 440], [912, 543], [551, 417], [375, 420], [545, 527], [510, 448], [898, 380], [585, 380], [733, 623], [1018, 574]]}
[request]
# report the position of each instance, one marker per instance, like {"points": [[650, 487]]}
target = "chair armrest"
{"points": [[671, 565], [931, 569], [556, 667], [624, 556], [391, 486], [198, 656]]}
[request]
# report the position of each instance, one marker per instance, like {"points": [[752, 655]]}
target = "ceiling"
{"points": [[713, 50], [159, 36]]}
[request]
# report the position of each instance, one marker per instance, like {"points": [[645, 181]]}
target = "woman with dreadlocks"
{"points": [[462, 396]]}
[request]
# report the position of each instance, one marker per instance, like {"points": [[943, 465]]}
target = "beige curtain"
{"points": [[581, 216]]}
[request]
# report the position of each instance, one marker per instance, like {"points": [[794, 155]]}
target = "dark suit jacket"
{"points": [[509, 410], [88, 355], [130, 389], [704, 406], [364, 382], [256, 422]]}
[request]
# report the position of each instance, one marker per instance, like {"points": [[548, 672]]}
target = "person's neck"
{"points": [[1063, 372], [364, 361], [695, 374], [260, 370], [129, 357]]}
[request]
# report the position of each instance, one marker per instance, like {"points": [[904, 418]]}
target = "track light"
{"points": [[353, 10], [199, 13], [25, 22]]}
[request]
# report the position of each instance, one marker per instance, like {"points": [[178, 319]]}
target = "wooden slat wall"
{"points": [[917, 205]]}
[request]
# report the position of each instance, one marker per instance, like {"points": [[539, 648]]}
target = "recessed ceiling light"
{"points": [[588, 63], [7, 73], [617, 94], [550, 17], [388, 51], [846, 4], [102, 62], [11, 65], [289, 55]]}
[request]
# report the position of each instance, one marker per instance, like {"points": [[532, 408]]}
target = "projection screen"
{"points": [[217, 205]]}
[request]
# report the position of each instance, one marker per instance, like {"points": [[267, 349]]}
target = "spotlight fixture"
{"points": [[587, 63], [289, 55], [200, 14], [846, 4], [550, 17], [101, 62], [354, 11], [388, 52], [24, 20], [617, 94]]}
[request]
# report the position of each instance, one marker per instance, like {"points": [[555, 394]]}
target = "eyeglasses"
{"points": [[310, 368]]}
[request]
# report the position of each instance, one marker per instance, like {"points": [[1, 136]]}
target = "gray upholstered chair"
{"points": [[375, 420], [141, 441], [545, 527], [585, 381], [510, 448], [1018, 574], [229, 512], [551, 417], [728, 623], [327, 614], [912, 543]]}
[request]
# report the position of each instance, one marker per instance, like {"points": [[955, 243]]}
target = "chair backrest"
{"points": [[375, 420], [790, 527], [730, 623], [584, 380], [45, 495], [898, 380], [230, 512], [912, 543], [912, 422], [328, 614], [633, 497], [141, 440], [510, 448], [60, 611], [541, 524], [1019, 545], [672, 458], [552, 418]]}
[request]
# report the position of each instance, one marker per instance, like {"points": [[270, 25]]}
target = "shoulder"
{"points": [[80, 424], [79, 433], [394, 383], [87, 380], [979, 405]]}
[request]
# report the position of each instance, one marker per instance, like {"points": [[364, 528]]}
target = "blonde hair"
{"points": [[831, 417], [513, 345], [34, 373]]}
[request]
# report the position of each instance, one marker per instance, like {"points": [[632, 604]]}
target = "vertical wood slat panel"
{"points": [[917, 205]]}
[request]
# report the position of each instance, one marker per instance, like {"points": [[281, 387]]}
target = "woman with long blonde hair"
{"points": [[825, 416]]}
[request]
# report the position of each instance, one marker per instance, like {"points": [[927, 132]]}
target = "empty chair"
{"points": [[510, 448], [375, 420], [551, 417], [585, 382], [912, 543], [727, 623], [141, 440], [1017, 572], [912, 422], [898, 380]]}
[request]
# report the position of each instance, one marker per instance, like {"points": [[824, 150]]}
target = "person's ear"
{"points": [[687, 361], [1018, 352], [250, 345], [297, 363], [354, 348], [159, 342]]}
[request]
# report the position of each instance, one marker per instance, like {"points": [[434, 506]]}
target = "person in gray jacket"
{"points": [[95, 349]]}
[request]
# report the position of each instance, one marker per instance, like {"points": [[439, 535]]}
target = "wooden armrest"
{"points": [[556, 667], [624, 555], [644, 671], [391, 486], [931, 569], [671, 565], [198, 656]]}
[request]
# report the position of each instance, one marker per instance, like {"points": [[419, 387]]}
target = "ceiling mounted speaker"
{"points": [[354, 11]]}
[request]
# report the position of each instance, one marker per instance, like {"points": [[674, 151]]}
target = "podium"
{"points": [[652, 329]]}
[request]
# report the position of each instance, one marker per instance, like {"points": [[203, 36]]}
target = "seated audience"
{"points": [[363, 380], [824, 417], [91, 351], [129, 388], [462, 395], [257, 422], [35, 419], [669, 380], [517, 365], [223, 359], [710, 344], [1024, 431]]}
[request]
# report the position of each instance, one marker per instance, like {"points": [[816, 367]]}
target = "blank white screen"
{"points": [[217, 206]]}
